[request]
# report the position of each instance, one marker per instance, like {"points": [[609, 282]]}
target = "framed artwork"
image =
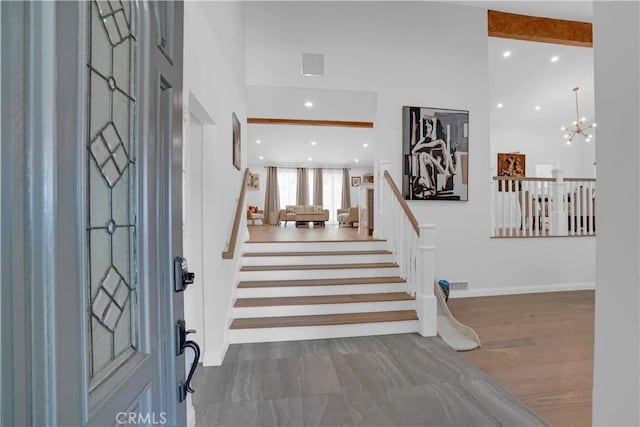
{"points": [[435, 151], [236, 141], [511, 164], [368, 178], [253, 184], [355, 181]]}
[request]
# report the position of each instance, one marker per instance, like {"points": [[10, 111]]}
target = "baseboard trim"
{"points": [[516, 290]]}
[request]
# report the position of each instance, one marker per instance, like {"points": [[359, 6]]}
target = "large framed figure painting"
{"points": [[435, 150]]}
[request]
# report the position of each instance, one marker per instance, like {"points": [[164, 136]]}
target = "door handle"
{"points": [[194, 365], [183, 343]]}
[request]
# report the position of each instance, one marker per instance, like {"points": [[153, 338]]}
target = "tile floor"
{"points": [[392, 380]]}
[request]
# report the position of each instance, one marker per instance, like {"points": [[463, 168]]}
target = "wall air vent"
{"points": [[459, 286], [312, 64]]}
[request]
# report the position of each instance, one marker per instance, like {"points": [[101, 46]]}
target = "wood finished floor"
{"points": [[390, 380], [291, 233], [538, 346]]}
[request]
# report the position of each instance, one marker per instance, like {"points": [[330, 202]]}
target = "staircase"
{"points": [[311, 290]]}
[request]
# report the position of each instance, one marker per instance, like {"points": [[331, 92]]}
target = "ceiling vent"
{"points": [[312, 64]]}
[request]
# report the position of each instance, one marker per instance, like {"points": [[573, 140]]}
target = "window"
{"points": [[332, 192], [287, 184], [111, 187], [543, 170]]}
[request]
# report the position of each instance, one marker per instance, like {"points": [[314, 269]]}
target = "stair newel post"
{"points": [[384, 198], [558, 214], [425, 298]]}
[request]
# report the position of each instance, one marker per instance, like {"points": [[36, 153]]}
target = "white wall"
{"points": [[355, 191], [544, 145], [214, 67], [256, 198], [616, 43], [422, 54]]}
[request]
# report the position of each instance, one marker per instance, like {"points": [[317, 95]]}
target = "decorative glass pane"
{"points": [[110, 186]]}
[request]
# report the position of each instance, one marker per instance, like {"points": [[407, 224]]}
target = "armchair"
{"points": [[348, 216], [254, 213]]}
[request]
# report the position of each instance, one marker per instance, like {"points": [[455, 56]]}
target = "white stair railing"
{"points": [[413, 246]]}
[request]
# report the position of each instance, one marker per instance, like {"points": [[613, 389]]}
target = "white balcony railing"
{"points": [[540, 207]]}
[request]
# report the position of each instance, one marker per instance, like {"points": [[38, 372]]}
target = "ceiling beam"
{"points": [[299, 122], [536, 29]]}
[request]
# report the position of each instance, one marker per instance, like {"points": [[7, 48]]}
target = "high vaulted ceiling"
{"points": [[528, 78]]}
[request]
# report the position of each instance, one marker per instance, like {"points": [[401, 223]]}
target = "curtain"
{"points": [[271, 196], [302, 190], [331, 192], [287, 185], [317, 186], [346, 189]]}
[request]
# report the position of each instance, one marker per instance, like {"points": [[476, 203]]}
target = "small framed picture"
{"points": [[253, 184], [236, 141], [355, 181]]}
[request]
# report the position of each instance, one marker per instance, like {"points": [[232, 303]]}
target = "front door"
{"points": [[97, 279], [133, 201]]}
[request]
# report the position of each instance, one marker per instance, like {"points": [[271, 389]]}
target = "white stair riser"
{"points": [[340, 273], [294, 291], [365, 245], [308, 310], [320, 259], [239, 336]]}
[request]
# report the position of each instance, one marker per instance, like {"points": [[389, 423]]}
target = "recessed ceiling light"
{"points": [[537, 108], [594, 125], [308, 104], [365, 145], [261, 158], [500, 105], [313, 143], [555, 58], [356, 160], [506, 53], [309, 159], [258, 141]]}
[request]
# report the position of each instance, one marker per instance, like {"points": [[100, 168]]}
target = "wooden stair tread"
{"points": [[322, 299], [319, 266], [324, 319], [317, 253], [321, 282]]}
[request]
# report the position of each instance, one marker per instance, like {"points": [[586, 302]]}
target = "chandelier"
{"points": [[579, 127]]}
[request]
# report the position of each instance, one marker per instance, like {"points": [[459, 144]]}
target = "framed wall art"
{"points": [[236, 141], [253, 183], [435, 151]]}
